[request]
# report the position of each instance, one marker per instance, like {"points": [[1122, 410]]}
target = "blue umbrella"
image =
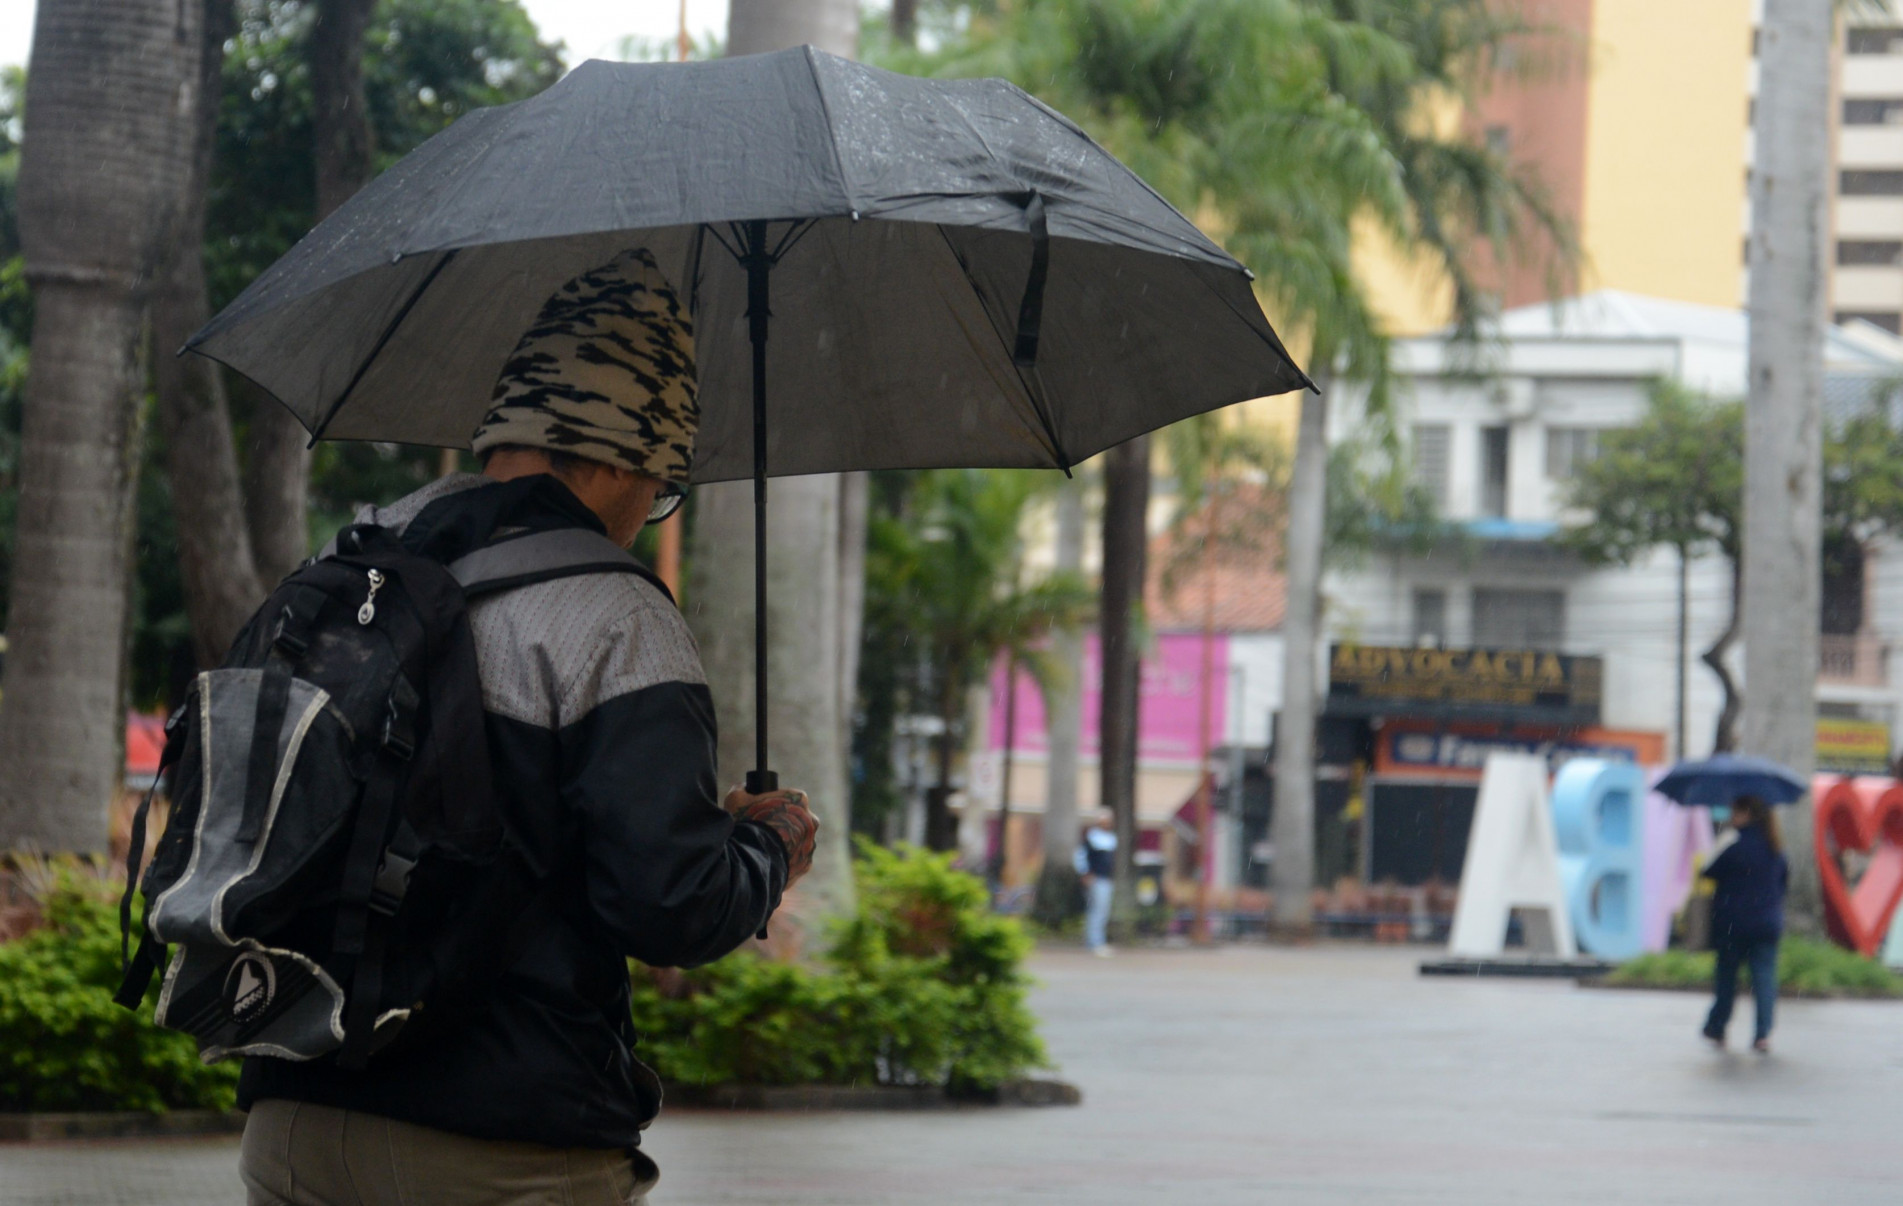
{"points": [[1718, 781]]}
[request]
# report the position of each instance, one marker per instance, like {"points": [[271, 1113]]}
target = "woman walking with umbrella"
{"points": [[1747, 918], [1747, 912]]}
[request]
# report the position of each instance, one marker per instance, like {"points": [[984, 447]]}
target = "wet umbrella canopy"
{"points": [[1719, 781], [885, 272]]}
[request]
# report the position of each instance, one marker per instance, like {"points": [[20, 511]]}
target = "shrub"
{"points": [[64, 1045], [1804, 967], [923, 987]]}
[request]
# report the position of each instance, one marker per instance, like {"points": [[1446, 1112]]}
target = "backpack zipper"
{"points": [[368, 611]]}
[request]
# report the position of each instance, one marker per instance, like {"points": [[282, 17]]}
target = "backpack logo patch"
{"points": [[249, 987]]}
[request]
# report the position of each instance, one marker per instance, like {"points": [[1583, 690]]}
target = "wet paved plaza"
{"points": [[1253, 1075]]}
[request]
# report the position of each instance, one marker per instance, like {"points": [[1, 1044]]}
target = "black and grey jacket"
{"points": [[601, 734]]}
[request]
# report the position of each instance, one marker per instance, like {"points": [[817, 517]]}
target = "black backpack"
{"points": [[336, 871]]}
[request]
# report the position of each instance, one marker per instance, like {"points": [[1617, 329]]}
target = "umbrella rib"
{"points": [[317, 433], [793, 235], [1035, 394]]}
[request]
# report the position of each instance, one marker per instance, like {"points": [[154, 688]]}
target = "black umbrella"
{"points": [[959, 276]]}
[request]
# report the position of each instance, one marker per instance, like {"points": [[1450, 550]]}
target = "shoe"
{"points": [[1762, 1046], [1715, 1038], [1102, 952]]}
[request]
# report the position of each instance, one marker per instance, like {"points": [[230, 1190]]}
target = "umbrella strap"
{"points": [[1031, 309]]}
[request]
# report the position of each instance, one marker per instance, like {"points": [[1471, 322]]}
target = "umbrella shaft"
{"points": [[759, 265]]}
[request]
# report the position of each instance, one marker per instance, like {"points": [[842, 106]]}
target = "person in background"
{"points": [[1747, 917], [1096, 861]]}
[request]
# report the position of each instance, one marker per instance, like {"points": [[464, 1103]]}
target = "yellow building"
{"points": [[1641, 134]]}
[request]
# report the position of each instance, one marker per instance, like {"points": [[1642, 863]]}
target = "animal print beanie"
{"points": [[606, 372]]}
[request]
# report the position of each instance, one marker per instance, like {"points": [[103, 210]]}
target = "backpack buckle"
{"points": [[392, 881], [399, 720], [289, 635]]}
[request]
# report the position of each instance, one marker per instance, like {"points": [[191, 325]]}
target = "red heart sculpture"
{"points": [[1864, 814]]}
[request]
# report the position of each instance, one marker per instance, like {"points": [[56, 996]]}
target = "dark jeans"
{"points": [[1761, 957]]}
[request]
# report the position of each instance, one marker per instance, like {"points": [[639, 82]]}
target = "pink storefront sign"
{"points": [[1168, 717]]}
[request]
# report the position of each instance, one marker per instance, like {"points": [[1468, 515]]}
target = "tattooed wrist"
{"points": [[786, 814]]}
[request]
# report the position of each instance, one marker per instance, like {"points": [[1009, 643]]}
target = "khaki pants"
{"points": [[297, 1154]]}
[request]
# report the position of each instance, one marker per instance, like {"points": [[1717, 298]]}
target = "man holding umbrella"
{"points": [[601, 731]]}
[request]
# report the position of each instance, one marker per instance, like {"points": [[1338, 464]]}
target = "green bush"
{"points": [[64, 1045], [925, 986], [1804, 967]]}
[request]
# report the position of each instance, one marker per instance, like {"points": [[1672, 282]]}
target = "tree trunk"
{"points": [[276, 481], [278, 469], [340, 114], [1292, 827], [220, 575], [855, 496], [759, 26], [1724, 738], [805, 535], [1783, 461], [1058, 889], [99, 187], [941, 823], [1125, 553], [905, 29]]}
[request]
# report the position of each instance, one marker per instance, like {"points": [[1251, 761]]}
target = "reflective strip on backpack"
{"points": [[539, 557]]}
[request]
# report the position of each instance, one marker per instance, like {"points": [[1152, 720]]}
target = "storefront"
{"points": [[1428, 718]]}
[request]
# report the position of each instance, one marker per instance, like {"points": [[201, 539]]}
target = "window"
{"points": [[1431, 444], [1882, 252], [1519, 619], [1873, 111], [1870, 183], [1891, 322], [1567, 448], [1493, 472], [1430, 617], [1842, 611], [1875, 41]]}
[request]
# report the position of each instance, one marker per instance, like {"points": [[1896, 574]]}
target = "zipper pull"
{"points": [[368, 611]]}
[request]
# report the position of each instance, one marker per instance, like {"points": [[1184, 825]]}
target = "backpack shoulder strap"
{"points": [[542, 557]]}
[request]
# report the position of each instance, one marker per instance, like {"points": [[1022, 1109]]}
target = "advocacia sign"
{"points": [[1530, 685]]}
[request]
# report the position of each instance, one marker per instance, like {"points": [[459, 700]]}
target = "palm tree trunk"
{"points": [[855, 497], [100, 180], [220, 576], [905, 21], [758, 26], [1292, 828], [1057, 884], [340, 114], [278, 470], [277, 478], [806, 720], [1783, 564], [1125, 548]]}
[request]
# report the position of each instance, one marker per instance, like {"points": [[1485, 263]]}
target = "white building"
{"points": [[1496, 451]]}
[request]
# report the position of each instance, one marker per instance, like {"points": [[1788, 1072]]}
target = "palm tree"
{"points": [[1272, 157], [1783, 443], [1458, 196], [1283, 124], [106, 149], [947, 571]]}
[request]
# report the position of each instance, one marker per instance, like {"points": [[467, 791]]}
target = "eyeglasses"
{"points": [[668, 501]]}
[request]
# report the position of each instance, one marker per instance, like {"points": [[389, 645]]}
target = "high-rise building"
{"points": [[1636, 115], [1867, 268]]}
